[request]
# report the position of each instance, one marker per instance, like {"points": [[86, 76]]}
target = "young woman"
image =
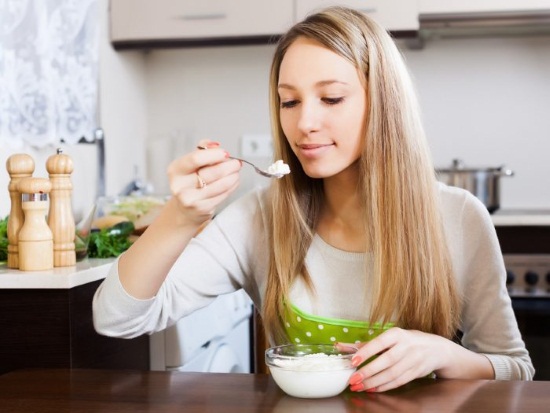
{"points": [[359, 244]]}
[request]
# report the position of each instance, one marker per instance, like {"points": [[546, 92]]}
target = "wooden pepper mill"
{"points": [[35, 237], [19, 166], [60, 216]]}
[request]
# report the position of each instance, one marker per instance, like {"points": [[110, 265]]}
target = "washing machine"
{"points": [[216, 338]]}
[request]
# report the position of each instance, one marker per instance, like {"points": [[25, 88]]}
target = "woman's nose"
{"points": [[308, 120]]}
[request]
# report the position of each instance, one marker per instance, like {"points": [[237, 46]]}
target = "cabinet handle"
{"points": [[211, 16]]}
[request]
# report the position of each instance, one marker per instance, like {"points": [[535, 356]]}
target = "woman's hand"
{"points": [[405, 355], [201, 180]]}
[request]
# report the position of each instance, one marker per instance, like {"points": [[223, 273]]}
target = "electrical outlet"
{"points": [[256, 146]]}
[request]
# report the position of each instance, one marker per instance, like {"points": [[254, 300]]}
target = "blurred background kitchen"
{"points": [[137, 83], [485, 95]]}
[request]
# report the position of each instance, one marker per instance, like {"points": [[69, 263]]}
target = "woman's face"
{"points": [[323, 108]]}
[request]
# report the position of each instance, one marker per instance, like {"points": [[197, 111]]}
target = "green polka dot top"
{"points": [[303, 328]]}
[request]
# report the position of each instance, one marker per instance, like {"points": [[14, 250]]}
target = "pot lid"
{"points": [[459, 167]]}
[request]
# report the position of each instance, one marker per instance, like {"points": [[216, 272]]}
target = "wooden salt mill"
{"points": [[60, 216], [19, 166], [35, 237]]}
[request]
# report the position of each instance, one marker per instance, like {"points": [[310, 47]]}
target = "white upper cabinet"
{"points": [[147, 20], [481, 6], [394, 15]]}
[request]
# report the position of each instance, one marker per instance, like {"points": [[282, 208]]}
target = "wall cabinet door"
{"points": [[481, 6], [394, 15], [135, 20]]}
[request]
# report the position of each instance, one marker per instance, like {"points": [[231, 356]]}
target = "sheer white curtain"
{"points": [[48, 71]]}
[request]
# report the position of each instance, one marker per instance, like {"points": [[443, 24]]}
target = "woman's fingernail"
{"points": [[357, 387], [355, 378], [227, 154], [213, 144], [348, 347], [355, 361], [371, 390]]}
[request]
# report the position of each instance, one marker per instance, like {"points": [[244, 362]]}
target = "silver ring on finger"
{"points": [[201, 183]]}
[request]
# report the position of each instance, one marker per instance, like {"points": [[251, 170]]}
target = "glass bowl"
{"points": [[310, 370], [140, 210]]}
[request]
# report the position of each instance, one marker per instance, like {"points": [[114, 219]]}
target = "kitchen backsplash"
{"points": [[484, 100]]}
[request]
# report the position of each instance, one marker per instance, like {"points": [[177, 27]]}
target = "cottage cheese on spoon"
{"points": [[279, 169]]}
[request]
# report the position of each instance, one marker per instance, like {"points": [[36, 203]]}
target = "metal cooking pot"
{"points": [[484, 183]]}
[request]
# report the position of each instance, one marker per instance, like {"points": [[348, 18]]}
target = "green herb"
{"points": [[110, 242], [4, 239]]}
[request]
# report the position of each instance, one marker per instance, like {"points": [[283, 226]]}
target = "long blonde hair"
{"points": [[414, 283]]}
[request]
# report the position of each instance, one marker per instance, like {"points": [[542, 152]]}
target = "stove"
{"points": [[528, 275], [524, 238]]}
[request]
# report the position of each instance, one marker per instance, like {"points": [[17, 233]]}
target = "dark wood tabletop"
{"points": [[98, 391]]}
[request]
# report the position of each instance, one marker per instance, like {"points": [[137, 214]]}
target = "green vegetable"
{"points": [[122, 229], [110, 242], [4, 239]]}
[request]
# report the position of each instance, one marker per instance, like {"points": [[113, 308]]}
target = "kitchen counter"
{"points": [[524, 231], [521, 217], [86, 271], [47, 322], [79, 391]]}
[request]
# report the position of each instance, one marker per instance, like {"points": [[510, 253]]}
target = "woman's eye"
{"points": [[289, 104], [333, 101]]}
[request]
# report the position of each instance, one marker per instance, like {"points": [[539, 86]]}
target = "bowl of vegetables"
{"points": [[119, 221]]}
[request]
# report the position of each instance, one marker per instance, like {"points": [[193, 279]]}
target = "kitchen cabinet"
{"points": [[197, 21], [481, 6], [394, 15], [170, 23], [46, 322]]}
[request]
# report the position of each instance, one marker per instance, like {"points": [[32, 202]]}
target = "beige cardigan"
{"points": [[231, 253]]}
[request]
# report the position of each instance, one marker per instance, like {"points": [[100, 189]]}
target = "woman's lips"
{"points": [[312, 150]]}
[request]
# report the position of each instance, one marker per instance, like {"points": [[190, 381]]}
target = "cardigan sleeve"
{"points": [[222, 259], [488, 322]]}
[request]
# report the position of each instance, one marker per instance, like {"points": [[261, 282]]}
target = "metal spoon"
{"points": [[257, 169]]}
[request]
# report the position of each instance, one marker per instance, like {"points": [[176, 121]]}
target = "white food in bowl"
{"points": [[313, 375]]}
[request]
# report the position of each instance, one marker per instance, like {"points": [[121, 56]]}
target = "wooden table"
{"points": [[97, 391]]}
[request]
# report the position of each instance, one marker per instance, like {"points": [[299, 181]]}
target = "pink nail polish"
{"points": [[213, 144], [355, 378], [357, 387], [355, 361], [371, 390], [227, 154]]}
